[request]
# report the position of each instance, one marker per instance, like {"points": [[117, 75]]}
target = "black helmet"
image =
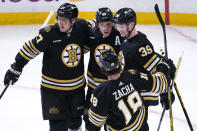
{"points": [[104, 14], [124, 15], [109, 62], [67, 10]]}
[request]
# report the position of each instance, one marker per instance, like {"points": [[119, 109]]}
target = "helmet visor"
{"points": [[120, 26]]}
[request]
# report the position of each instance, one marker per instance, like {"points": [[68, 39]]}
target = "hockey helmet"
{"points": [[104, 14], [109, 62], [124, 16], [67, 10]]}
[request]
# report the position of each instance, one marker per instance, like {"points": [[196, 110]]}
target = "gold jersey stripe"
{"points": [[142, 120], [90, 74], [91, 85], [151, 98], [96, 122], [99, 80], [154, 83], [63, 88], [154, 69], [136, 120], [62, 81], [164, 79], [111, 129], [86, 47], [97, 115], [150, 61], [26, 57], [161, 84], [95, 79], [25, 46], [36, 50]]}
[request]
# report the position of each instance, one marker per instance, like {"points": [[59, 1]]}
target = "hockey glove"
{"points": [[164, 100], [168, 66], [12, 75]]}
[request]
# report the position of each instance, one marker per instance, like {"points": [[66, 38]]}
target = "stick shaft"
{"points": [[163, 27], [48, 18], [158, 128], [2, 93]]}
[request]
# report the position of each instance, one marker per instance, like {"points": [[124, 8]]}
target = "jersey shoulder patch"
{"points": [[46, 29]]}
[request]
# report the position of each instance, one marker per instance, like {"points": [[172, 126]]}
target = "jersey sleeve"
{"points": [[100, 105], [154, 84], [32, 48], [91, 23]]}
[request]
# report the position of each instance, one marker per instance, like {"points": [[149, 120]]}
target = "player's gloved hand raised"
{"points": [[168, 66], [164, 99], [12, 74]]}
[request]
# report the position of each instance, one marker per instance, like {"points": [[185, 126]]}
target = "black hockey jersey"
{"points": [[139, 53], [97, 46], [63, 59], [118, 103]]}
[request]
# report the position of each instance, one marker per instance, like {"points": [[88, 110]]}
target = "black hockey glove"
{"points": [[168, 66], [12, 74], [164, 100]]}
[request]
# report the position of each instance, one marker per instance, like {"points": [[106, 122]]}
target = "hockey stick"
{"points": [[166, 56], [183, 107], [173, 82], [48, 18], [181, 101], [164, 109], [2, 93], [163, 27]]}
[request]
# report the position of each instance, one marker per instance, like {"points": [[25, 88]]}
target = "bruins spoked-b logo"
{"points": [[71, 55], [100, 49]]}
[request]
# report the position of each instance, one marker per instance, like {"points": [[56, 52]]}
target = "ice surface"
{"points": [[20, 107]]}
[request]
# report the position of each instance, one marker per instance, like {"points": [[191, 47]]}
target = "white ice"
{"points": [[20, 107]]}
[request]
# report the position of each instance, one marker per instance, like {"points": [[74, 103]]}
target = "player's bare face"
{"points": [[64, 24], [122, 28], [105, 28]]}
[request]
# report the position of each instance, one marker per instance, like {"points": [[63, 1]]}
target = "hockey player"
{"points": [[63, 81], [117, 102], [104, 38], [137, 51]]}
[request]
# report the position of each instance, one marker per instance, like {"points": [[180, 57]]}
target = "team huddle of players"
{"points": [[124, 77]]}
